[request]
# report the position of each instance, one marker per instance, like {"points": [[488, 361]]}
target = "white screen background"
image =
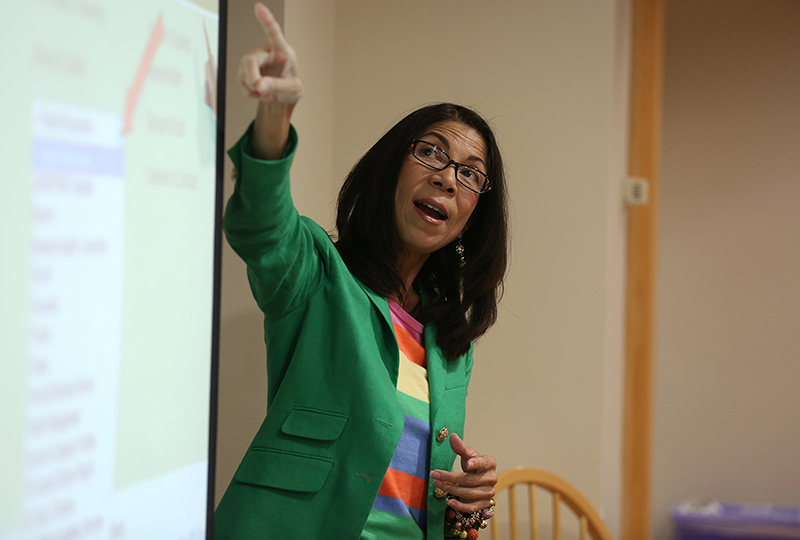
{"points": [[108, 146]]}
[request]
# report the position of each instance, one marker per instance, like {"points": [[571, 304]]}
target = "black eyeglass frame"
{"points": [[486, 182]]}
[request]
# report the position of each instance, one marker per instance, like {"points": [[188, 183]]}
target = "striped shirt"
{"points": [[400, 510]]}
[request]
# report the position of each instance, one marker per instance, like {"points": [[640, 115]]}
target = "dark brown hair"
{"points": [[460, 302]]}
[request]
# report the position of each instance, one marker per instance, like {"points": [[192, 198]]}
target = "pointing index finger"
{"points": [[459, 447], [270, 26], [471, 460]]}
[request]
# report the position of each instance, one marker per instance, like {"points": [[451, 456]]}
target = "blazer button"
{"points": [[439, 493], [442, 435]]}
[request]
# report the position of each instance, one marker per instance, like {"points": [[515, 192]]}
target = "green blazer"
{"points": [[333, 419]]}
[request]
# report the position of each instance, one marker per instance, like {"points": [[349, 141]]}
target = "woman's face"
{"points": [[431, 207]]}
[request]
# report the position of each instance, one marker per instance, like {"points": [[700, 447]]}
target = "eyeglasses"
{"points": [[434, 157]]}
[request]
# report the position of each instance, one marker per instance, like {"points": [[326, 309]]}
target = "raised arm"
{"points": [[261, 223], [269, 74]]}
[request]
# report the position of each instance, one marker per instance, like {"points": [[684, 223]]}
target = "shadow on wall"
{"points": [[242, 380]]}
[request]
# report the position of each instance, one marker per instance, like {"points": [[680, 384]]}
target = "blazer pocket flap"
{"points": [[455, 379], [314, 424], [283, 470]]}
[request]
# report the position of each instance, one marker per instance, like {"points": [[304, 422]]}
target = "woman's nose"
{"points": [[446, 178]]}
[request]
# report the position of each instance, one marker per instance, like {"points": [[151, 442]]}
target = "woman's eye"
{"points": [[468, 174]]}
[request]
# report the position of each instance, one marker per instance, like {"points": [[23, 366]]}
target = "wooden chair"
{"points": [[563, 494]]}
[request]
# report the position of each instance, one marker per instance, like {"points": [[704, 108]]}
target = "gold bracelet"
{"points": [[469, 525]]}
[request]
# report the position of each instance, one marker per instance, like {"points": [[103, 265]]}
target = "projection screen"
{"points": [[111, 166]]}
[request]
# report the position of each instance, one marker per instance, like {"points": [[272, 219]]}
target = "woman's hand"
{"points": [[269, 74], [475, 486]]}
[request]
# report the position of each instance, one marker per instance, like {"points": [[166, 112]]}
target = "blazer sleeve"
{"points": [[264, 228]]}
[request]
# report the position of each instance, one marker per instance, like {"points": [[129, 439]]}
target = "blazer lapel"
{"points": [[391, 356], [437, 371]]}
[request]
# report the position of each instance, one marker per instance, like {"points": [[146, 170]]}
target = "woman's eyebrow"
{"points": [[446, 145], [442, 139]]}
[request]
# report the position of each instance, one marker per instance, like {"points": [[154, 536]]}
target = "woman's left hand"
{"points": [[475, 486]]}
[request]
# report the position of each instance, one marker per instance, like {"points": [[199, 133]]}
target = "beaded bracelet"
{"points": [[469, 525]]}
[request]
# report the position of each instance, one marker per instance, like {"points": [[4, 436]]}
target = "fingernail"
{"points": [[436, 475]]}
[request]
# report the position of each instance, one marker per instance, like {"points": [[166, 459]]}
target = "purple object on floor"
{"points": [[712, 520]]}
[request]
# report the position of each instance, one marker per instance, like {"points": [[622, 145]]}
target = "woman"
{"points": [[369, 340]]}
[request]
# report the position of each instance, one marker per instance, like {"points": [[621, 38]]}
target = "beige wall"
{"points": [[543, 73], [242, 377], [552, 78], [728, 331], [242, 400]]}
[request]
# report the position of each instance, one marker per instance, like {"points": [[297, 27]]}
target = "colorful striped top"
{"points": [[400, 510]]}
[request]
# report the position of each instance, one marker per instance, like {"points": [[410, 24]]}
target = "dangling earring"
{"points": [[460, 250]]}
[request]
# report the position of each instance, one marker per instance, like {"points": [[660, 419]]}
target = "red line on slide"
{"points": [[141, 74]]}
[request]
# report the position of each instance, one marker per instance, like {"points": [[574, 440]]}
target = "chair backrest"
{"points": [[590, 523]]}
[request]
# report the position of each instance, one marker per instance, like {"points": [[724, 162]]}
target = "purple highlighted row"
{"points": [[74, 158]]}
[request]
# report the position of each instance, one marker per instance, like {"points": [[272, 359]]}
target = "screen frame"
{"points": [[218, 210]]}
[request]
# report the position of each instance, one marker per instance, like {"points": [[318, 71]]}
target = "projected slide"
{"points": [[108, 146]]}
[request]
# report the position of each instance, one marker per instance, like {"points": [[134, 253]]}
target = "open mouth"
{"points": [[431, 210]]}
